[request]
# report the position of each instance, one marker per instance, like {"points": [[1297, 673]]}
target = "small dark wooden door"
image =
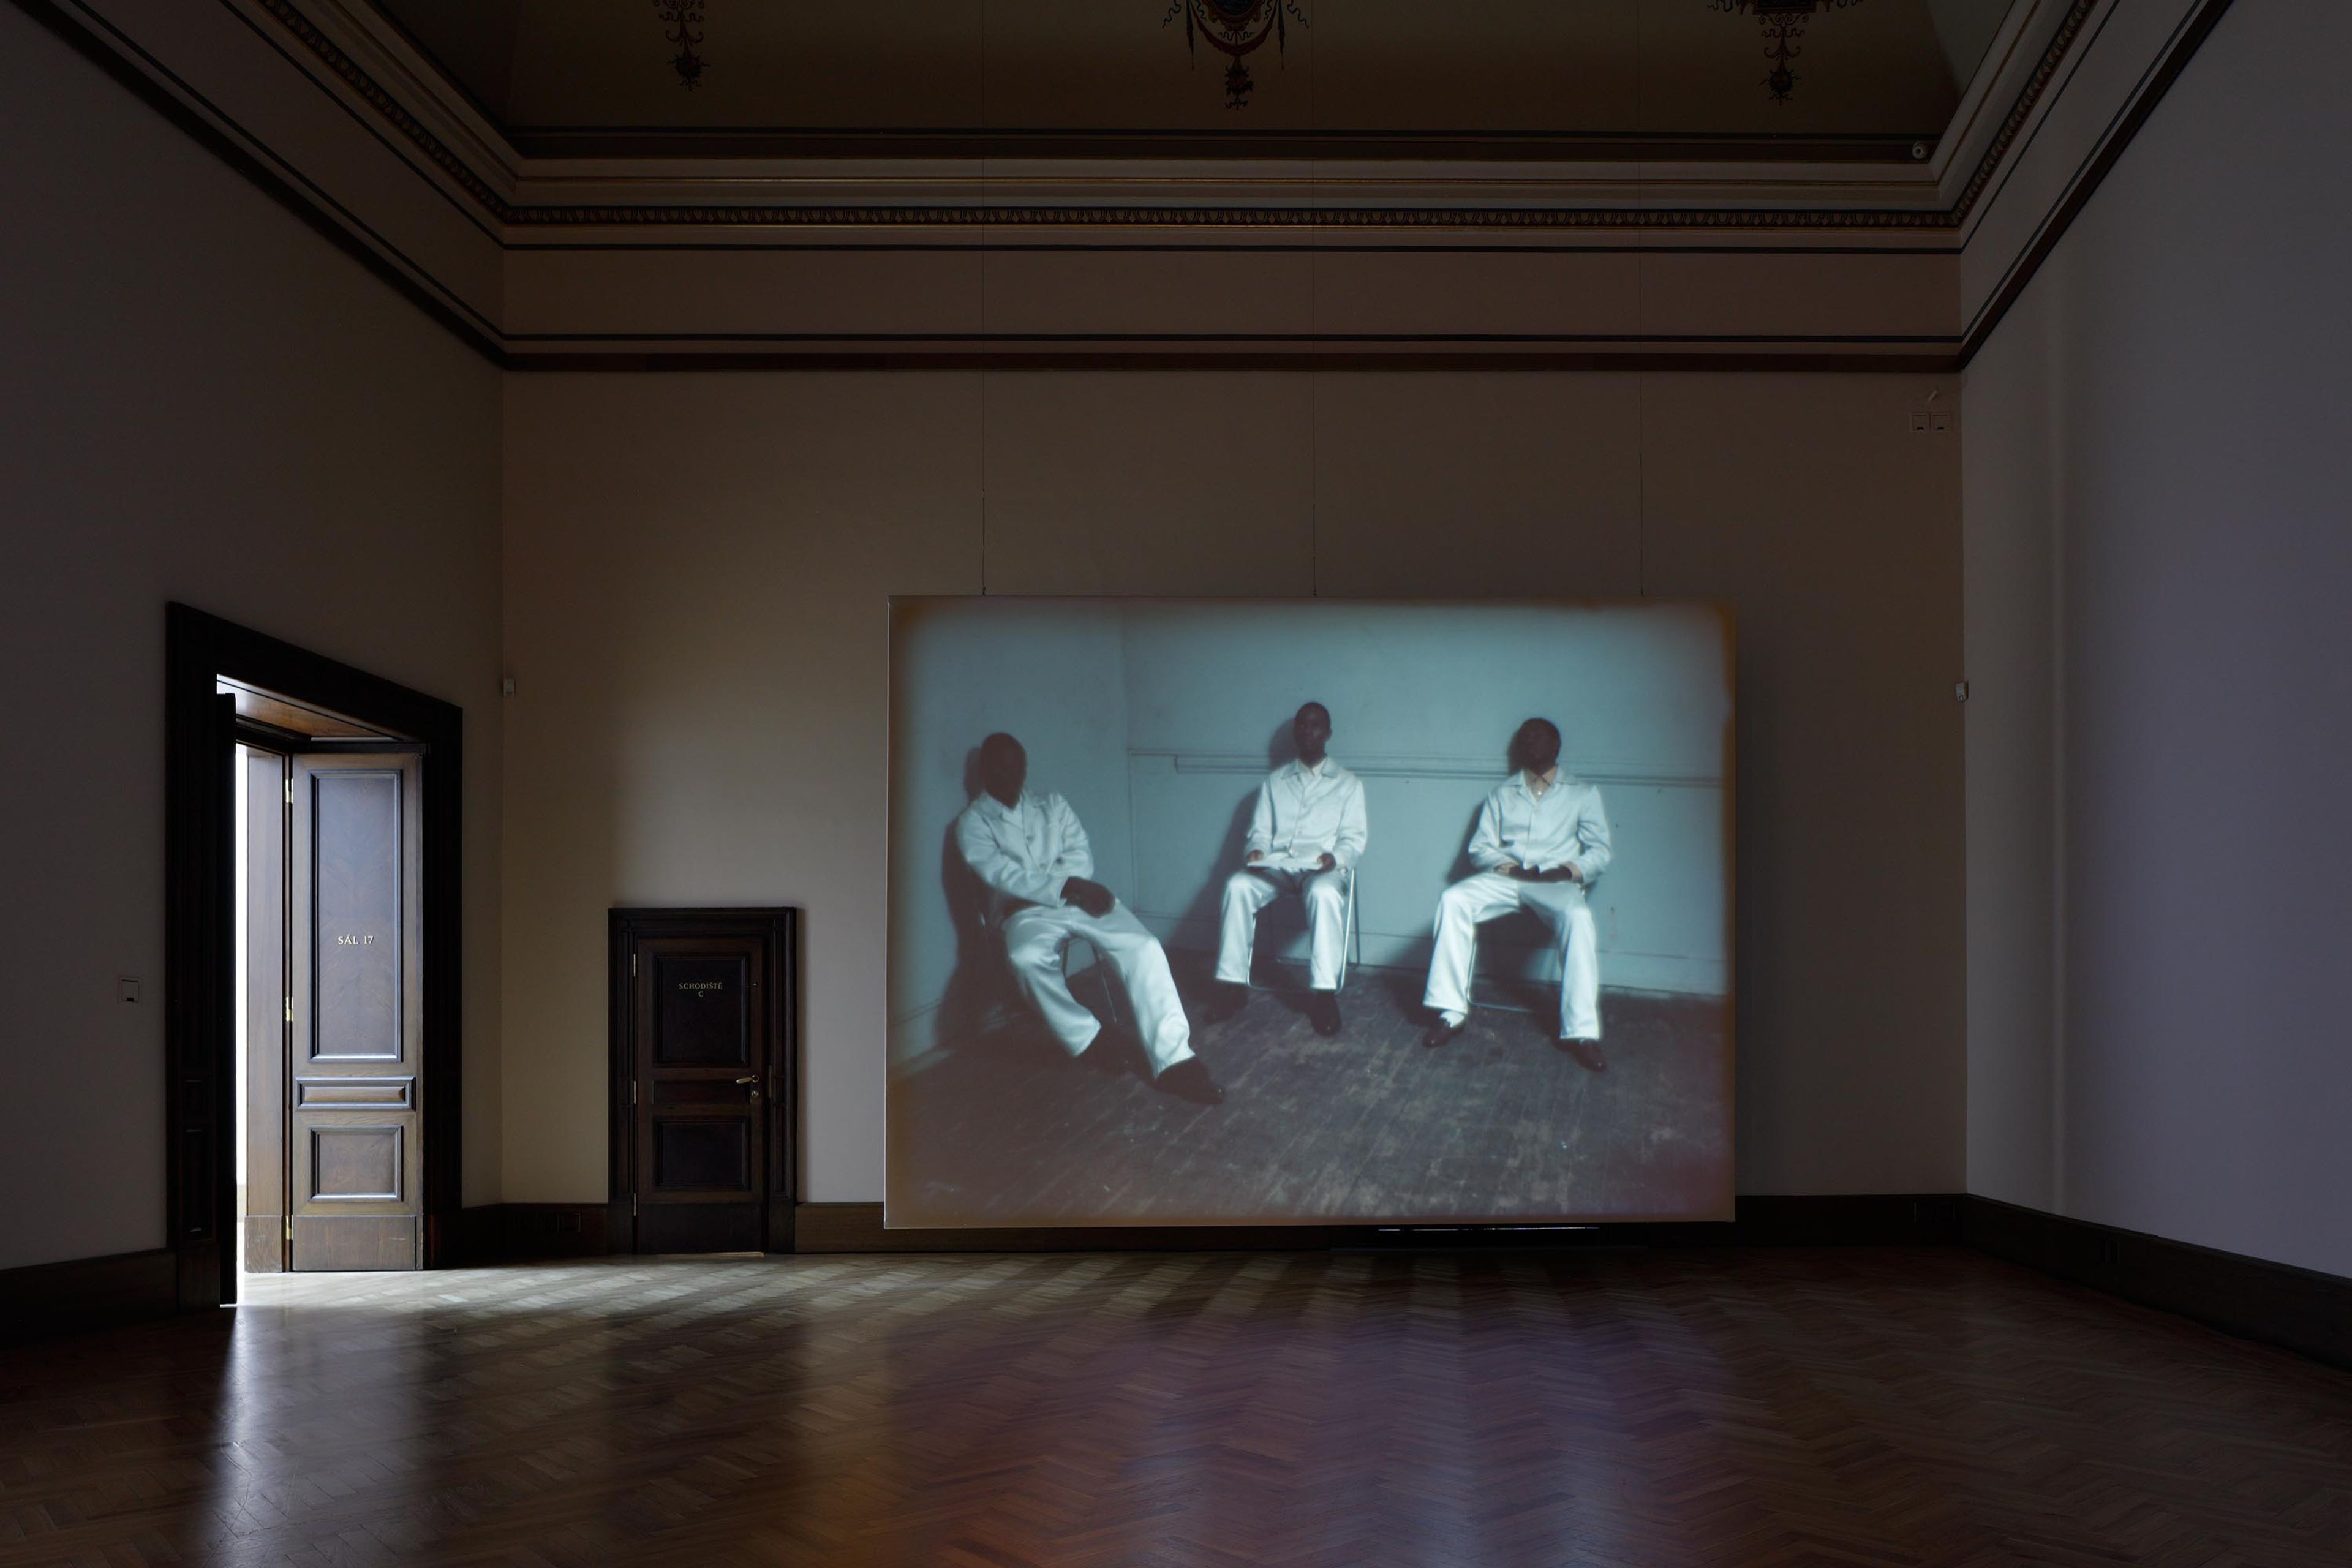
{"points": [[354, 1121], [704, 1051]]}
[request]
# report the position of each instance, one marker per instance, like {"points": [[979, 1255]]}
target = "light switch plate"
{"points": [[126, 988]]}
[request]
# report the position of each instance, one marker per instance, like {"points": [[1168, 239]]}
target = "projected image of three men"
{"points": [[1308, 911]]}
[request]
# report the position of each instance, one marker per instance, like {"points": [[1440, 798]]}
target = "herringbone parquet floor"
{"points": [[1683, 1409]]}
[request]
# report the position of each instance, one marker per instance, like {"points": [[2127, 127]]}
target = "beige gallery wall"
{"points": [[696, 573], [205, 402]]}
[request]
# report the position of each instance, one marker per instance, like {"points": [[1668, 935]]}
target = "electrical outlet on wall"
{"points": [[126, 989], [1931, 421]]}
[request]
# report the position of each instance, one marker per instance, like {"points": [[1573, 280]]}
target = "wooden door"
{"points": [[269, 800], [701, 1065], [353, 1112]]}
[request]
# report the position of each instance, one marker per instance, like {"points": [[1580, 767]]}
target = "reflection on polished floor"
{"points": [[1895, 1406]]}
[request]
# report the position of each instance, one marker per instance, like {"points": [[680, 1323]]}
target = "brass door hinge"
{"points": [[632, 966], [632, 1205], [289, 1009], [633, 1091]]}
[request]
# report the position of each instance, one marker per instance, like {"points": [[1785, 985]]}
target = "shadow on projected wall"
{"points": [[1308, 912]]}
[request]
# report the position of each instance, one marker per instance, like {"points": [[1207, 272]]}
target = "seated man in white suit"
{"points": [[1305, 837], [1541, 839], [1033, 856]]}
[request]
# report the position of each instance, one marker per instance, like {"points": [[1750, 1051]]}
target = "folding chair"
{"points": [[1101, 966], [1351, 945], [1548, 959], [1350, 939]]}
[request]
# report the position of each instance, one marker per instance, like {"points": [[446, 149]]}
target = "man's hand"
{"points": [[1254, 858], [1509, 868], [1092, 896], [1566, 873], [1327, 862]]}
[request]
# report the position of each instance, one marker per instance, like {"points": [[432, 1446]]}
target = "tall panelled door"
{"points": [[701, 1080], [266, 1225], [355, 1130]]}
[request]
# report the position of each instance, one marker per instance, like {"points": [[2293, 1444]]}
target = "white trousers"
{"points": [[1473, 900], [1248, 891], [1035, 939]]}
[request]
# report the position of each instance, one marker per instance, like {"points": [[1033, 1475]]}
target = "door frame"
{"points": [[779, 929], [199, 915]]}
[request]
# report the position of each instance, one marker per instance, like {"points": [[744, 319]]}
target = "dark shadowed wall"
{"points": [[205, 402], [2157, 555]]}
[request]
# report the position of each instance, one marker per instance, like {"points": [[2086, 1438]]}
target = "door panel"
{"points": [[353, 1093], [700, 1062], [701, 1155], [704, 1018], [354, 1160], [356, 951], [265, 1010], [357, 971]]}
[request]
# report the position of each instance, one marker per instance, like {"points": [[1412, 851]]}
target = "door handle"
{"points": [[754, 1081]]}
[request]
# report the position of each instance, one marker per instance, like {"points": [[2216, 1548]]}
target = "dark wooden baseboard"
{"points": [[515, 1233], [87, 1293], [1864, 1220], [2295, 1309]]}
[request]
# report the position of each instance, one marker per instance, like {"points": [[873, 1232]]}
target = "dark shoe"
{"points": [[1188, 1080], [1323, 1012], [1587, 1054], [1441, 1031], [1107, 1055], [1224, 1002]]}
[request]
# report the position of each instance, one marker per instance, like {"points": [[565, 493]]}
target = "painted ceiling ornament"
{"points": [[1784, 31], [681, 22], [1235, 28]]}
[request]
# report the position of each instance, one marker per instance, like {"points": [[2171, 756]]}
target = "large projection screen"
{"points": [[1154, 962]]}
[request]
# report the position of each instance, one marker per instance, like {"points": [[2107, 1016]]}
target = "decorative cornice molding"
{"points": [[243, 108], [1022, 216], [371, 92], [2045, 70], [524, 214]]}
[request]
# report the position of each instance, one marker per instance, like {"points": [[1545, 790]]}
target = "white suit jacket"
{"points": [[1024, 852], [1304, 812], [1567, 827]]}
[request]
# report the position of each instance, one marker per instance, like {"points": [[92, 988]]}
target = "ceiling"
{"points": [[1587, 183], [1469, 79]]}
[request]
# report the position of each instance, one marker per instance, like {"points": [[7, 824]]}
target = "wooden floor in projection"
{"points": [[1615, 1409], [1364, 1126]]}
